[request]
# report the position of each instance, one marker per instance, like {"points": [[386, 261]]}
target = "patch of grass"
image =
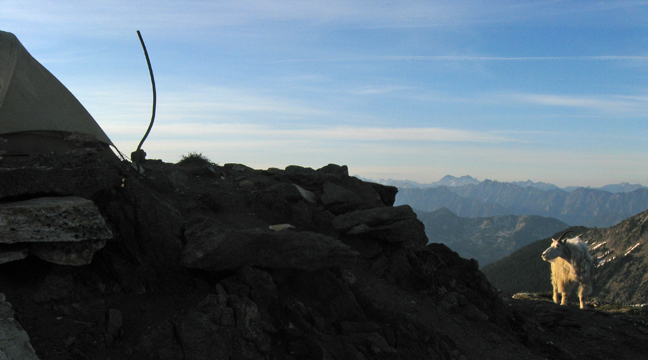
{"points": [[194, 158]]}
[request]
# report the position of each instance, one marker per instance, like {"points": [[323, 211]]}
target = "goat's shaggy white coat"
{"points": [[571, 263]]}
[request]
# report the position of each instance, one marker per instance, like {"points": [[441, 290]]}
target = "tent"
{"points": [[38, 114]]}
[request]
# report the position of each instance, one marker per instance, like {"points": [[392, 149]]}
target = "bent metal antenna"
{"points": [[139, 155]]}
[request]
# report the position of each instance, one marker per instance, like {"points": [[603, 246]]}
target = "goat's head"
{"points": [[557, 248]]}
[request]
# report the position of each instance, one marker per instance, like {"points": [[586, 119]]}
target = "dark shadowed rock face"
{"points": [[195, 269], [218, 249]]}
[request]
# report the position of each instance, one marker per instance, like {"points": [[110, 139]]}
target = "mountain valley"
{"points": [[486, 239]]}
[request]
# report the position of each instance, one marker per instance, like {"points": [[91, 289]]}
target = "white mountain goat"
{"points": [[571, 263]]}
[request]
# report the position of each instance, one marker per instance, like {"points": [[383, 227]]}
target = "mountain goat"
{"points": [[570, 262]]}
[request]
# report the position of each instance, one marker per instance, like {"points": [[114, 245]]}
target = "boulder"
{"points": [[213, 248], [335, 194], [341, 171], [51, 219], [387, 193], [370, 197], [387, 224]]}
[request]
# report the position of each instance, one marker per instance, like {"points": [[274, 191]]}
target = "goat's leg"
{"points": [[581, 295], [564, 299], [555, 293]]}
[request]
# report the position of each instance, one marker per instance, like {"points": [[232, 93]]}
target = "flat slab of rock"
{"points": [[51, 219], [215, 249]]}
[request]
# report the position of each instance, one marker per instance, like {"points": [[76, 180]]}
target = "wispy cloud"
{"points": [[612, 103], [342, 133]]}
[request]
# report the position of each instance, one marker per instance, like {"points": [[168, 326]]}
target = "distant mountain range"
{"points": [[621, 253], [447, 180], [452, 181], [486, 239], [582, 206]]}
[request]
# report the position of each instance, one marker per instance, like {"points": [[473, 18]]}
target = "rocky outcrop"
{"points": [[229, 262]]}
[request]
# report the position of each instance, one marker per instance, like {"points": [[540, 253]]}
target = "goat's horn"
{"points": [[563, 235]]}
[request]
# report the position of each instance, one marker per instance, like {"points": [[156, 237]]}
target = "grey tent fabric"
{"points": [[33, 101]]}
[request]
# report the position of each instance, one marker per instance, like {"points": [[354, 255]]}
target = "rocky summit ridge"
{"points": [[200, 261]]}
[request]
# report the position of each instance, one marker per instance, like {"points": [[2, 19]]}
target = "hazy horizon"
{"points": [[497, 180]]}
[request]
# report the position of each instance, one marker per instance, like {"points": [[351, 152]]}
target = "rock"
{"points": [[54, 288], [307, 194], [238, 167], [337, 170], [410, 233], [280, 227], [13, 252], [79, 181], [262, 290], [286, 191], [370, 197], [335, 194], [387, 224], [375, 344], [200, 338], [213, 248], [308, 177], [387, 193], [148, 228], [114, 322], [14, 341], [67, 252], [373, 217], [355, 327], [202, 333], [246, 183], [51, 219], [399, 267]]}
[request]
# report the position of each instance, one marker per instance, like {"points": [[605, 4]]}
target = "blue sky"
{"points": [[553, 91]]}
